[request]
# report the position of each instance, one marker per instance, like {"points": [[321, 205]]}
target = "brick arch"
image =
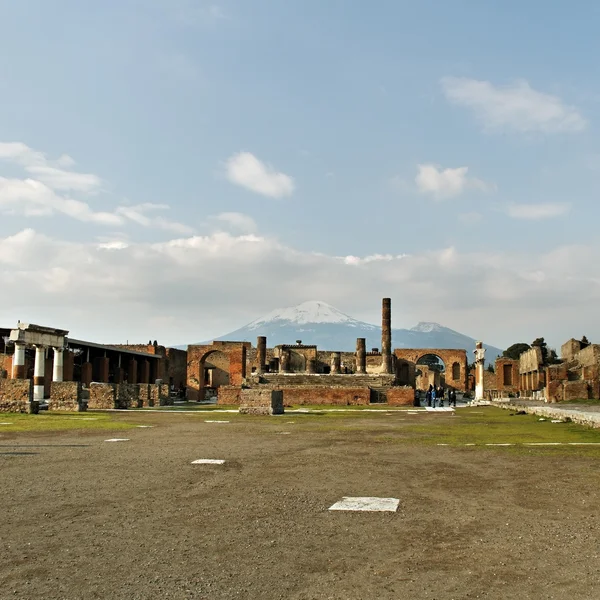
{"points": [[197, 356], [410, 357]]}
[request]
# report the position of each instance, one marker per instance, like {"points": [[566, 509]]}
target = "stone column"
{"points": [[57, 365], [86, 373], [261, 353], [132, 372], [18, 368], [361, 355], [145, 372], [336, 359], [479, 362], [386, 335], [39, 373]]}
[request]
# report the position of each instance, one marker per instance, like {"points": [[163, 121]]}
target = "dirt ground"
{"points": [[84, 518]]}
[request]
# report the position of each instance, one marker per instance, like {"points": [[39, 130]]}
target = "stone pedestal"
{"points": [[261, 402]]}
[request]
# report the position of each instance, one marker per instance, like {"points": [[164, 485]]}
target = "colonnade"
{"points": [[39, 368]]}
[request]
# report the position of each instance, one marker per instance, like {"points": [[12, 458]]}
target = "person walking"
{"points": [[433, 397], [440, 395], [453, 398], [428, 395]]}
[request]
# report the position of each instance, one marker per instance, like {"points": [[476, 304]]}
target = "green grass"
{"points": [[56, 421]]}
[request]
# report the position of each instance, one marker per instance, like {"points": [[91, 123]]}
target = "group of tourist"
{"points": [[436, 395]]}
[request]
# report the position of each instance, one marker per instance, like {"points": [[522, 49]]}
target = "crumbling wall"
{"points": [[102, 395], [176, 370], [5, 366], [65, 396], [15, 395], [569, 349], [530, 360], [401, 396], [589, 356], [228, 395]]}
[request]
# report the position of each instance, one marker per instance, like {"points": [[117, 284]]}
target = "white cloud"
{"points": [[237, 221], [517, 107], [42, 194], [192, 288], [446, 183], [139, 214], [245, 170], [538, 211]]}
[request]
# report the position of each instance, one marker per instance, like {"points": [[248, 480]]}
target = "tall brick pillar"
{"points": [[68, 365], [18, 369], [119, 375], [86, 373], [386, 336], [361, 355], [261, 353], [101, 369], [132, 371], [336, 360], [144, 372]]}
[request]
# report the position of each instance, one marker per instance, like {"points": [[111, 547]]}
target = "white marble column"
{"points": [[18, 368], [479, 363], [39, 371], [57, 365]]}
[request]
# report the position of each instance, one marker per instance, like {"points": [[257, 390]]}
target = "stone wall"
{"points": [[144, 395], [261, 402], [15, 395], [589, 356], [401, 396], [569, 349], [128, 395], [507, 375], [530, 360], [65, 395], [102, 395], [560, 391], [176, 370]]}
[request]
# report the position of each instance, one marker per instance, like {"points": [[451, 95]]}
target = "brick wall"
{"points": [[5, 366], [401, 396], [229, 395], [14, 395], [143, 395], [344, 396], [65, 395], [176, 371], [102, 395]]}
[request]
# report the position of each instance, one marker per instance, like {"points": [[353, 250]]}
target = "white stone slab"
{"points": [[557, 421], [216, 421], [584, 443], [145, 426], [5, 423], [283, 432], [117, 440], [208, 461], [499, 444], [542, 444], [367, 504]]}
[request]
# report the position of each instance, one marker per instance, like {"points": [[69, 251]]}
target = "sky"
{"points": [[174, 169]]}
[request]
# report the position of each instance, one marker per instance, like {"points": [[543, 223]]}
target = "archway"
{"points": [[214, 371], [408, 362], [431, 370]]}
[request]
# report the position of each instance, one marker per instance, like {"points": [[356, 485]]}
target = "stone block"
{"points": [[261, 402], [127, 396], [15, 395], [102, 395], [65, 396]]}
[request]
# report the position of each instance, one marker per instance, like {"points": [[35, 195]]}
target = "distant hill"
{"points": [[316, 322]]}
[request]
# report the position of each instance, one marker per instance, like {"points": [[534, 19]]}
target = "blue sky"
{"points": [[173, 169]]}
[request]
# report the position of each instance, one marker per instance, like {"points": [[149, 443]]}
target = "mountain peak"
{"points": [[312, 311], [427, 327]]}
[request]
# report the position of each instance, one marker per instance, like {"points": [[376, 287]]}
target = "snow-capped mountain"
{"points": [[316, 322]]}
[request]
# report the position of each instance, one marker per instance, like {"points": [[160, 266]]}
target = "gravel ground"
{"points": [[84, 518]]}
